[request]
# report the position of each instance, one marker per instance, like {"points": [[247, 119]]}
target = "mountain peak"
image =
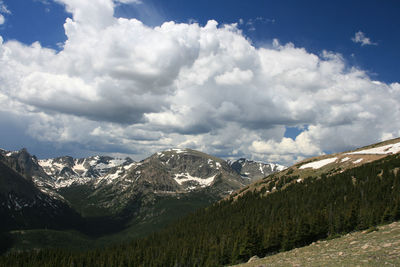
{"points": [[254, 170]]}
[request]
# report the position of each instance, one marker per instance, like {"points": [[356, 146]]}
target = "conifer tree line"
{"points": [[230, 232]]}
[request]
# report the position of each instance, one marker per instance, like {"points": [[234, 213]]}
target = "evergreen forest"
{"points": [[232, 231]]}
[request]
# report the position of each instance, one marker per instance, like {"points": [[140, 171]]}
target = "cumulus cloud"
{"points": [[121, 86], [359, 37], [234, 77]]}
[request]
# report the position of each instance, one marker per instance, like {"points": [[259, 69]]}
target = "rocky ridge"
{"points": [[253, 170]]}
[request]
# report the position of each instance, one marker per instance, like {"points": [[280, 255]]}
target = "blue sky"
{"points": [[359, 40]]}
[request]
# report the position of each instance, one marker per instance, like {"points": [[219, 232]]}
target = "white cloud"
{"points": [[121, 86], [359, 37], [234, 77], [3, 8], [2, 19]]}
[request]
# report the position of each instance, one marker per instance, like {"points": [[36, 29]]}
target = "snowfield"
{"points": [[345, 159], [387, 149], [180, 178], [318, 164]]}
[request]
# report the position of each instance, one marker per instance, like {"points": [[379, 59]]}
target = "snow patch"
{"points": [[277, 167], [112, 163], [79, 167], [180, 178], [382, 150], [127, 167], [76, 181], [357, 161], [45, 163], [113, 176], [344, 159], [178, 150], [318, 164], [261, 168]]}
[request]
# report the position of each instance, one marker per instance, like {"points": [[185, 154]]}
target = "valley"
{"points": [[113, 200], [173, 213]]}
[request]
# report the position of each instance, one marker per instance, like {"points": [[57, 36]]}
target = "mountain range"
{"points": [[315, 199], [102, 195]]}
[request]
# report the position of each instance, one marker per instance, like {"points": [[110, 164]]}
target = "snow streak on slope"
{"points": [[118, 172], [387, 149], [318, 164], [181, 178]]}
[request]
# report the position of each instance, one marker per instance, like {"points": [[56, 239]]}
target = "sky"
{"points": [[275, 81]]}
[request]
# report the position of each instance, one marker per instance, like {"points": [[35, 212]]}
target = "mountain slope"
{"points": [[327, 165], [23, 206], [128, 185], [374, 247]]}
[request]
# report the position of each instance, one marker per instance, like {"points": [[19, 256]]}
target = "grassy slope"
{"points": [[291, 174], [376, 248]]}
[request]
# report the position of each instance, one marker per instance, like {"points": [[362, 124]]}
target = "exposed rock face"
{"points": [[23, 163], [253, 170], [168, 173], [22, 204]]}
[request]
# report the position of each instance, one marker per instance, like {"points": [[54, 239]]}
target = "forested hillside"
{"points": [[255, 223]]}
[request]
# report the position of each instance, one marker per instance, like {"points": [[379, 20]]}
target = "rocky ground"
{"points": [[373, 247]]}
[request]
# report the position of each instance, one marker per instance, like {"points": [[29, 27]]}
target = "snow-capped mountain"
{"points": [[253, 170], [175, 181], [190, 170], [170, 173], [183, 170], [67, 171]]}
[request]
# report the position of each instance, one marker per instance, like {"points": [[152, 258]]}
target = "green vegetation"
{"points": [[163, 211], [362, 248], [46, 238], [232, 231]]}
